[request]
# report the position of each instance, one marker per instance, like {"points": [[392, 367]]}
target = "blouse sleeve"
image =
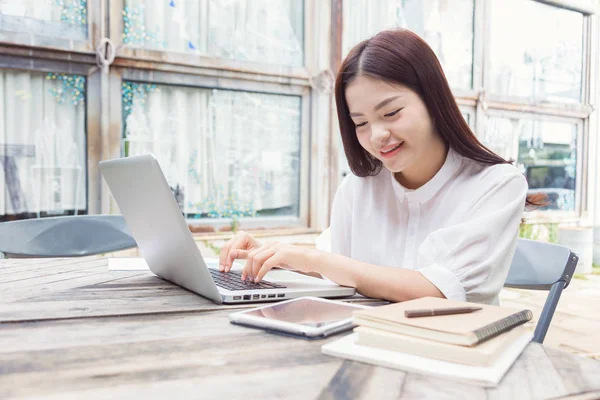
{"points": [[341, 219], [470, 260]]}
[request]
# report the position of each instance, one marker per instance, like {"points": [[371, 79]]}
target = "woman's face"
{"points": [[392, 123]]}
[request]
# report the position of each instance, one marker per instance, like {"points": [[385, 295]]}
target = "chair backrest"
{"points": [[542, 266], [539, 265], [68, 236]]}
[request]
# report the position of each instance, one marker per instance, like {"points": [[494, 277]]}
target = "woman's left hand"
{"points": [[283, 255]]}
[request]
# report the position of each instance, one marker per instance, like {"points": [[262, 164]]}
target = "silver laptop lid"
{"points": [[157, 224]]}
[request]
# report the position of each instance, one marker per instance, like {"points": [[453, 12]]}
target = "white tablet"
{"points": [[310, 317]]}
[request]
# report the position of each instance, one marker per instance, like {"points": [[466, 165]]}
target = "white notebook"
{"points": [[347, 348]]}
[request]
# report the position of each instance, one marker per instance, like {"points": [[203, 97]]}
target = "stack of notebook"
{"points": [[477, 347]]}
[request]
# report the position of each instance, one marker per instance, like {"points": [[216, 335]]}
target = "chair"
{"points": [[69, 236], [542, 266], [535, 266]]}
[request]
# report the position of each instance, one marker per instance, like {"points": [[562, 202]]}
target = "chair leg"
{"points": [[548, 312]]}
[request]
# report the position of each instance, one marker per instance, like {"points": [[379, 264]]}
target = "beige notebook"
{"points": [[482, 355], [462, 329]]}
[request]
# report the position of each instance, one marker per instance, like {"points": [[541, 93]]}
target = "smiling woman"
{"points": [[401, 110], [428, 210], [400, 65]]}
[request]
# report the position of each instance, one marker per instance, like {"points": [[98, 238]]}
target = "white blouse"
{"points": [[459, 229]]}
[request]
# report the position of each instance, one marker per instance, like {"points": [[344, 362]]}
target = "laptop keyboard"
{"points": [[232, 280]]}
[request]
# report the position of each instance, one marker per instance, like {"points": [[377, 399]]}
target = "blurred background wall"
{"points": [[234, 98]]}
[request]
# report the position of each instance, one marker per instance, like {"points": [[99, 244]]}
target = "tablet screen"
{"points": [[307, 312]]}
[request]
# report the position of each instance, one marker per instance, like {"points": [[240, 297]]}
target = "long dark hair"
{"points": [[400, 56]]}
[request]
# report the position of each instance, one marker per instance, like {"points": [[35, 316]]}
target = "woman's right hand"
{"points": [[240, 241]]}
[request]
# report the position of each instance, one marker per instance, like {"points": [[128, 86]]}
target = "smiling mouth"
{"points": [[392, 150]]}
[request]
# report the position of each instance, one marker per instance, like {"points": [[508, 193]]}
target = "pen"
{"points": [[439, 311]]}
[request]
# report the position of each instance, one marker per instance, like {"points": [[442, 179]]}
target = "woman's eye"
{"points": [[361, 124], [392, 113]]}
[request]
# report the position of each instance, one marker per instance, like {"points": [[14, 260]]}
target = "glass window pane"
{"points": [[447, 25], [499, 136], [55, 18], [541, 64], [42, 144], [269, 31], [224, 153], [469, 118], [547, 155]]}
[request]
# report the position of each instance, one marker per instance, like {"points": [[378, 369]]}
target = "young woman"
{"points": [[428, 210]]}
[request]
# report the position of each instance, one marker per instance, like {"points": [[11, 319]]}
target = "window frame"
{"points": [[94, 21], [471, 94], [121, 74], [479, 104], [471, 112], [202, 71], [92, 134], [580, 167], [209, 62], [541, 105], [580, 112]]}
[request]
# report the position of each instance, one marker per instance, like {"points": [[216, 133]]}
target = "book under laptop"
{"points": [[166, 243]]}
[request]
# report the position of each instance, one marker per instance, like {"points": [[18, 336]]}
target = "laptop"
{"points": [[166, 243]]}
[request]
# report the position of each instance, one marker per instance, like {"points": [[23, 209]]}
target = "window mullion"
{"points": [[591, 199], [479, 53], [115, 22]]}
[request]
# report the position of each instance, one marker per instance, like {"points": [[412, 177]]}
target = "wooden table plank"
{"points": [[138, 295], [593, 395], [533, 376], [291, 383], [524, 380], [121, 356], [87, 289], [94, 333], [427, 387], [81, 355], [580, 374], [61, 284], [21, 264], [39, 268], [362, 381]]}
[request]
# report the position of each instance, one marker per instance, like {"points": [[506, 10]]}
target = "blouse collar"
{"points": [[426, 192]]}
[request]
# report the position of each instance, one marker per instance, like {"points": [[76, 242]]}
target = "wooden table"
{"points": [[69, 328]]}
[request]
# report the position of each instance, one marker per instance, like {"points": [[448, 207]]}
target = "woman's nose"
{"points": [[380, 135]]}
